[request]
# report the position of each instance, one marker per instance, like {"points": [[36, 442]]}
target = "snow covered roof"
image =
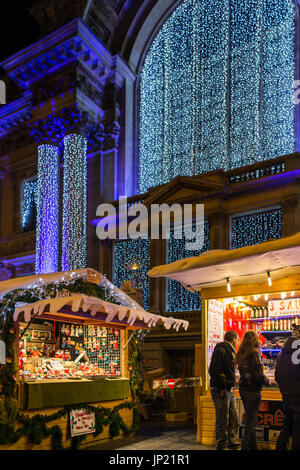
{"points": [[83, 307], [243, 265]]}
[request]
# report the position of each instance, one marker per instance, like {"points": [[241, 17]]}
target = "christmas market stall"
{"points": [[250, 288], [69, 360]]}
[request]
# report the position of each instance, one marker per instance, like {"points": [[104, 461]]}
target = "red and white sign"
{"points": [[171, 383], [82, 422], [284, 307]]}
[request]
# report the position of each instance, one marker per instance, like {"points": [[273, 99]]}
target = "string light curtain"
{"points": [[30, 194], [179, 299], [47, 227], [74, 228], [216, 89], [132, 263], [252, 229]]}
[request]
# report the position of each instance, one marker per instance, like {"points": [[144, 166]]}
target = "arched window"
{"points": [[216, 89]]}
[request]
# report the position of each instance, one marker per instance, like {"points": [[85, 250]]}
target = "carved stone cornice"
{"points": [[15, 114], [68, 121]]}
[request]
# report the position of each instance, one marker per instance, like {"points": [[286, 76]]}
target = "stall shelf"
{"points": [[253, 277], [83, 389]]}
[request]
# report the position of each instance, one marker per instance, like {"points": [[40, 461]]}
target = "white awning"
{"points": [[83, 307], [243, 265], [96, 309]]}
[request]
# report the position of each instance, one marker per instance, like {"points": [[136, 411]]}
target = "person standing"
{"points": [[222, 381], [287, 375], [252, 379]]}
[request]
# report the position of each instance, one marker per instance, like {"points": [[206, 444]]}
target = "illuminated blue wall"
{"points": [[216, 89]]}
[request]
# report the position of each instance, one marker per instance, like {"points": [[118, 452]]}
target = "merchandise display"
{"points": [[68, 350], [271, 319]]}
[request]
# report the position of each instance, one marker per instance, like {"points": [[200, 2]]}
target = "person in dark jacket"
{"points": [[252, 379], [287, 375], [222, 380]]}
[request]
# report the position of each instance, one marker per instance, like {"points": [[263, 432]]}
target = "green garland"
{"points": [[35, 428]]}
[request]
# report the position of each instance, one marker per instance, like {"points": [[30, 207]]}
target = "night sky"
{"points": [[18, 28]]}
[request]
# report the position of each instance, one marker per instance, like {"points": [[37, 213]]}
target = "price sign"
{"points": [[82, 422]]}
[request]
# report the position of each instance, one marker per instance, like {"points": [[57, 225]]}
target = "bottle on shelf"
{"points": [[276, 324], [251, 312], [266, 312]]}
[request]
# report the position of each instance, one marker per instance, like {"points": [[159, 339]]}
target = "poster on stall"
{"points": [[284, 307], [82, 422], [269, 420], [214, 325]]}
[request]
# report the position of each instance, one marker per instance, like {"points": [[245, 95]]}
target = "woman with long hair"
{"points": [[252, 379]]}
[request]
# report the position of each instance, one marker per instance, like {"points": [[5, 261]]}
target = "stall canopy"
{"points": [[82, 308], [249, 264]]}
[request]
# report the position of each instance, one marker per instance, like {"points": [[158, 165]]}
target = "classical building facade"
{"points": [[162, 101]]}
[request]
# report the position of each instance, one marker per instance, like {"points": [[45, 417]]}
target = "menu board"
{"points": [[284, 307], [215, 325]]}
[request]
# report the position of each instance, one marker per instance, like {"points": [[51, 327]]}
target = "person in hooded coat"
{"points": [[287, 375], [222, 381]]}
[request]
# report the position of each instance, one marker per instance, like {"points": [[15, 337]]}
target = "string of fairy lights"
{"points": [[30, 194], [252, 229], [179, 299], [216, 89], [74, 228], [47, 232], [132, 262]]}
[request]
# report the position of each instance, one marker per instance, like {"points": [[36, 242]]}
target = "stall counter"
{"points": [[50, 393]]}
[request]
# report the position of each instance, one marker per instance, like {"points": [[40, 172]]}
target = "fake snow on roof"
{"points": [[248, 264], [129, 310]]}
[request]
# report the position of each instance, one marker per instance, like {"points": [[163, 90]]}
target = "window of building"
{"points": [[216, 89], [180, 299], [131, 262], [256, 227], [28, 204]]}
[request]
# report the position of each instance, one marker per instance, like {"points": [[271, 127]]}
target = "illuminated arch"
{"points": [[215, 89]]}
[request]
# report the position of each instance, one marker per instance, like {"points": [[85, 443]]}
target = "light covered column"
{"points": [[47, 230], [74, 229]]}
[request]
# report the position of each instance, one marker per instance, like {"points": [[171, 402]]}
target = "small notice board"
{"points": [[82, 422]]}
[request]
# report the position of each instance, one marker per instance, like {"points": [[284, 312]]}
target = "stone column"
{"points": [[74, 229], [47, 230], [290, 220], [217, 228]]}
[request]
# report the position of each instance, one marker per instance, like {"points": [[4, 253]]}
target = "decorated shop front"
{"points": [[69, 360], [251, 288]]}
